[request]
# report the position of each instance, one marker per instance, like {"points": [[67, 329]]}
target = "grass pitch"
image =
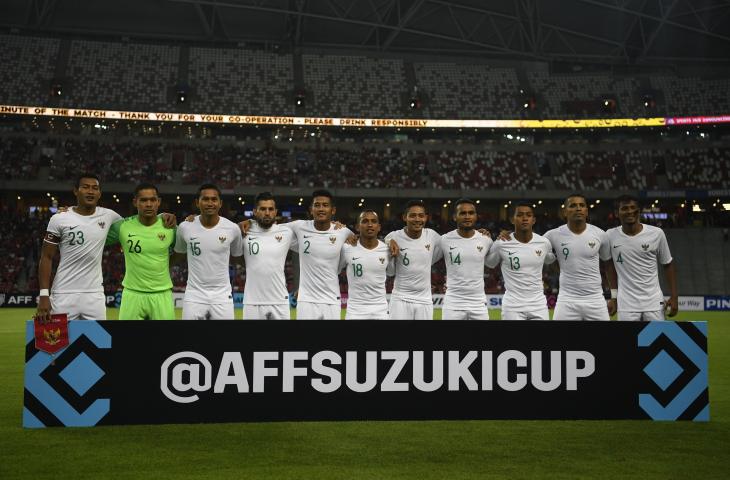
{"points": [[379, 450]]}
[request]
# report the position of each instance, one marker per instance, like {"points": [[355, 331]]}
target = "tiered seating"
{"points": [[129, 162], [468, 91], [482, 170], [694, 95], [28, 66], [120, 75], [350, 86], [235, 81], [18, 159]]}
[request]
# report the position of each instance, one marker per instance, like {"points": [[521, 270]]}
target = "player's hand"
{"points": [[43, 313], [351, 240], [169, 220], [245, 226], [485, 232], [190, 218], [338, 225], [673, 306], [611, 304], [504, 235], [394, 248]]}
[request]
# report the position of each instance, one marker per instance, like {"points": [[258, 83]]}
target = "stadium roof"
{"points": [[602, 31]]}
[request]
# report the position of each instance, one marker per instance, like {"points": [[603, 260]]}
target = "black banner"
{"points": [[131, 372]]}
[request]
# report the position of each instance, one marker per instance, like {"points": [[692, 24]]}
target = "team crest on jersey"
{"points": [[333, 239], [382, 260], [645, 246], [480, 248], [101, 224], [538, 253], [161, 236], [278, 238], [428, 247], [222, 238]]}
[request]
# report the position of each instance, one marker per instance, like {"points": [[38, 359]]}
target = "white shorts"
{"points": [[403, 310], [654, 316], [318, 311], [570, 310], [80, 306], [266, 312], [470, 313], [541, 314], [205, 311], [370, 312]]}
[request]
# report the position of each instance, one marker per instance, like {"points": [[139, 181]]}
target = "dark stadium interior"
{"points": [[397, 59]]}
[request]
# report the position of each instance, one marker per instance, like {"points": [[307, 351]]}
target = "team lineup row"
{"points": [[208, 242]]}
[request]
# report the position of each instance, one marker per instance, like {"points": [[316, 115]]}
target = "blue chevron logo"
{"points": [[664, 370], [80, 374]]}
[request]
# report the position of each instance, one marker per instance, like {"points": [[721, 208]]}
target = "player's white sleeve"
{"points": [[664, 255], [236, 244], [343, 257], [550, 258], [492, 259], [54, 229], [605, 251], [180, 245], [438, 254]]}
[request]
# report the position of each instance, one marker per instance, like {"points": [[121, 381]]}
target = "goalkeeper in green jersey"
{"points": [[146, 243]]}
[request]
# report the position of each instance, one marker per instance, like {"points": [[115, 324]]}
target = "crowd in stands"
{"points": [[147, 76], [311, 166]]}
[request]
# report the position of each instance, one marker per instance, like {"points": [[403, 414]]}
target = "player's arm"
{"points": [[112, 237], [45, 264], [169, 220], [670, 273], [236, 256], [612, 285], [492, 259]]}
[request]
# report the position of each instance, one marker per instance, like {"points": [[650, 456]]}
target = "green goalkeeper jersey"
{"points": [[146, 253]]}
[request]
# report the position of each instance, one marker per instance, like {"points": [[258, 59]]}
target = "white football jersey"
{"points": [[464, 259], [365, 277], [522, 271], [208, 253], [579, 258], [635, 258], [319, 259], [412, 266], [265, 252], [80, 240]]}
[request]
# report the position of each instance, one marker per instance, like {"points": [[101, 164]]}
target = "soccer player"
{"points": [[78, 234], [366, 264], [464, 251], [579, 247], [146, 243], [208, 242], [319, 243], [636, 248], [522, 258], [419, 249], [267, 244]]}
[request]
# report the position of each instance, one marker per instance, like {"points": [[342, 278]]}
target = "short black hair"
{"points": [[415, 203], [145, 186], [263, 196], [368, 210], [209, 186], [86, 175], [464, 200], [626, 199], [323, 193], [574, 194], [522, 203]]}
